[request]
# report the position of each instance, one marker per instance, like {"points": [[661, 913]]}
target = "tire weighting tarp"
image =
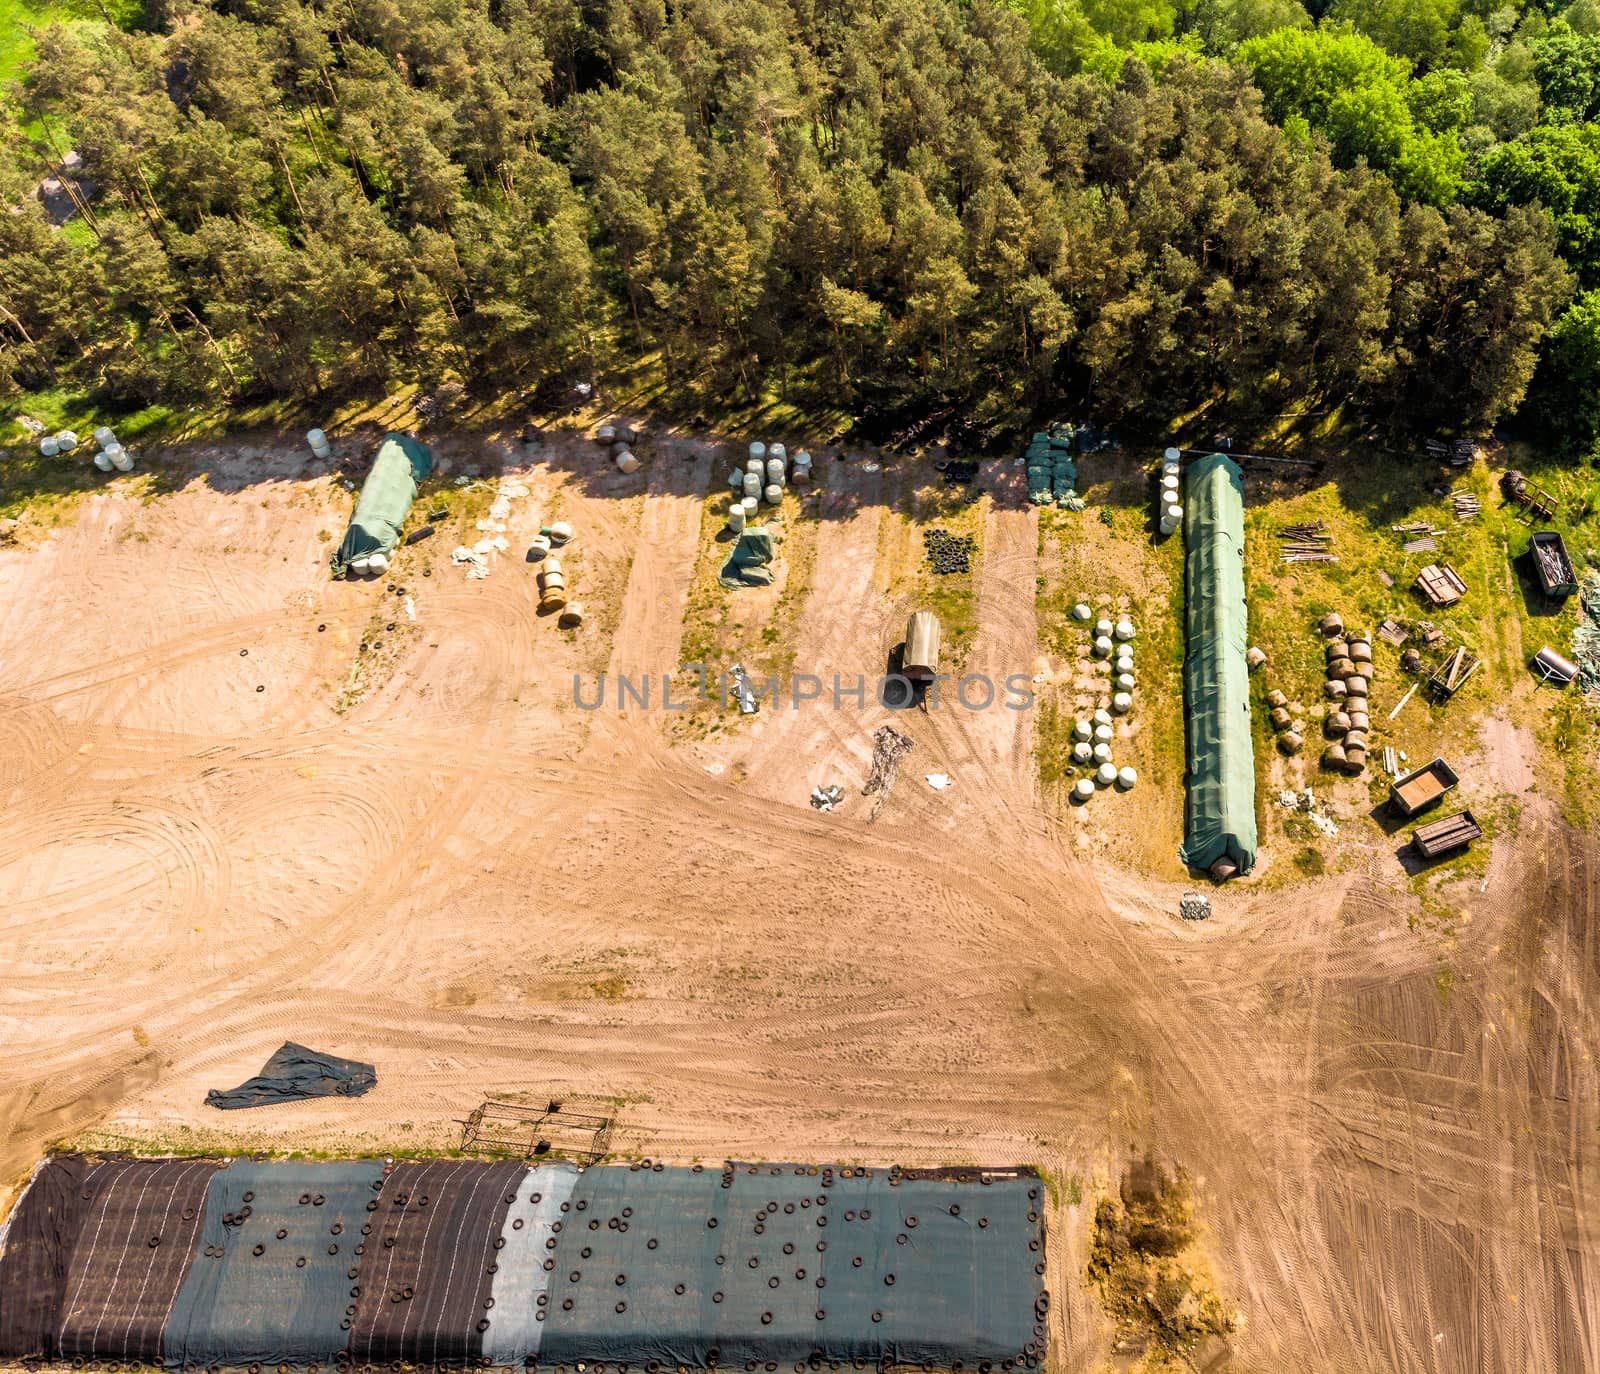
{"points": [[136, 1240], [385, 500], [783, 1263], [521, 1280], [678, 1266], [429, 1266], [277, 1261], [294, 1073], [1220, 805]]}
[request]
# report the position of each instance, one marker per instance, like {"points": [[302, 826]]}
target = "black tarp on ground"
{"points": [[137, 1236], [427, 1272], [783, 1263], [33, 1265], [293, 1073], [287, 1304]]}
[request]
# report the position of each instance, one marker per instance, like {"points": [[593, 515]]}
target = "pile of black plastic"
{"points": [[949, 553]]}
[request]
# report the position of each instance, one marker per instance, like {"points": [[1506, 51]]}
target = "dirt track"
{"points": [[488, 892]]}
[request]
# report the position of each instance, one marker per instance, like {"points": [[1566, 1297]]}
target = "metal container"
{"points": [[606, 434]]}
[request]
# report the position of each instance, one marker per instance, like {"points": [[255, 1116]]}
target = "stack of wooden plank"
{"points": [[1468, 507], [1440, 837], [1306, 543], [1441, 584], [1457, 452]]}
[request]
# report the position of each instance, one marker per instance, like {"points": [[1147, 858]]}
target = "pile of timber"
{"points": [[1468, 507], [1306, 543]]}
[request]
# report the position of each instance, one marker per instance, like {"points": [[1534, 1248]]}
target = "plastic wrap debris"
{"points": [[463, 480], [1194, 906], [741, 690], [475, 561], [869, 466], [411, 609], [1307, 805], [826, 798], [889, 746], [938, 781]]}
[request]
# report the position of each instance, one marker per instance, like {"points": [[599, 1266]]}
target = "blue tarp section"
{"points": [[288, 1303], [783, 1263]]}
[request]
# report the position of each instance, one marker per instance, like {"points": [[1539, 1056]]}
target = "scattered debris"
{"points": [[889, 746], [1305, 803], [1407, 697], [410, 608], [1554, 568], [960, 472], [826, 798], [938, 781], [1391, 765], [1387, 578], [949, 553], [475, 561], [418, 535], [1194, 906], [1392, 632], [741, 690]]}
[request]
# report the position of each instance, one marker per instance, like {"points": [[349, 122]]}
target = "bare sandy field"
{"points": [[225, 823]]}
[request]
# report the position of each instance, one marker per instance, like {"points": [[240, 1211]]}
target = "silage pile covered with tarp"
{"points": [[385, 501], [750, 563], [1220, 807], [211, 1263]]}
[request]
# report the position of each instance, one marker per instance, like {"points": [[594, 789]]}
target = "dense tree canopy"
{"points": [[1069, 202]]}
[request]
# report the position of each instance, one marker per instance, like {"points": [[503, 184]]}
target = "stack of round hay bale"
{"points": [[1291, 733], [1349, 676], [552, 585]]}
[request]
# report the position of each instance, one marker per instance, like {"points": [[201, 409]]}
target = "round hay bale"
{"points": [[1291, 742], [1275, 698], [1254, 656], [1341, 667], [1102, 628], [1102, 717], [1103, 733], [1083, 730], [606, 434], [1101, 752], [1122, 703], [1411, 661], [1335, 689], [554, 599], [1336, 724], [1126, 682], [1082, 790], [1333, 756], [1358, 719], [1102, 647], [1106, 774], [1126, 777], [1081, 611], [1332, 625], [1337, 648], [1082, 753], [1355, 739], [571, 616], [1355, 760], [1279, 718], [560, 532], [1124, 630], [1356, 685], [1353, 636], [1223, 869], [1360, 651]]}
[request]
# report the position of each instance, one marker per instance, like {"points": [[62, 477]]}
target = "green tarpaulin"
{"points": [[749, 565], [385, 500], [1220, 815]]}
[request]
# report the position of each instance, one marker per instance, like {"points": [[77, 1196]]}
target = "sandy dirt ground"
{"points": [[488, 892]]}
